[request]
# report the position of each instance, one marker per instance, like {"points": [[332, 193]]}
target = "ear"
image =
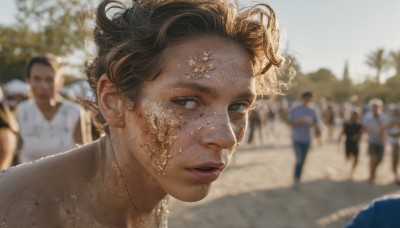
{"points": [[110, 105]]}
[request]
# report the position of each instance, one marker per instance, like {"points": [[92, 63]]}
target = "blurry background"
{"points": [[345, 52]]}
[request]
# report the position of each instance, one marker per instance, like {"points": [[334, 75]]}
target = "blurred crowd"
{"points": [[48, 119], [345, 123]]}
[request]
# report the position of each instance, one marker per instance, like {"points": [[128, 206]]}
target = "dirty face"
{"points": [[191, 118]]}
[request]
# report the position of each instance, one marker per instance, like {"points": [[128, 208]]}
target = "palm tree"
{"points": [[394, 61], [377, 60]]}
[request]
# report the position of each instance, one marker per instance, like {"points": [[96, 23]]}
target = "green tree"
{"points": [[43, 26], [342, 90], [323, 83], [392, 85], [319, 82], [378, 61], [394, 61]]}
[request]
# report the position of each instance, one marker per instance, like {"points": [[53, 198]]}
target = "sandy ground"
{"points": [[255, 191]]}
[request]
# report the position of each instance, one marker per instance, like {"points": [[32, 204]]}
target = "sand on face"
{"points": [[255, 191]]}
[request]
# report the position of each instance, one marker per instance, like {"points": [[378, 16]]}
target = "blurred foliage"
{"points": [[43, 26], [379, 61], [69, 79], [394, 61], [324, 84]]}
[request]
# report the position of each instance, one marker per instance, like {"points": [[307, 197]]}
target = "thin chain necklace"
{"points": [[162, 208], [142, 221]]}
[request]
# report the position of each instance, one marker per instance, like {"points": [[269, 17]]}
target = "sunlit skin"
{"points": [[213, 115], [177, 140]]}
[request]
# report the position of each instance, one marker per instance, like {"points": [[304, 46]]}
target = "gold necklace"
{"points": [[142, 221], [162, 210]]}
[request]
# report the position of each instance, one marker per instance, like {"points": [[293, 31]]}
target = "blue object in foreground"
{"points": [[382, 213]]}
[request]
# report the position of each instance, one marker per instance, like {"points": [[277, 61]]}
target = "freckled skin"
{"points": [[199, 66], [208, 132], [178, 125]]}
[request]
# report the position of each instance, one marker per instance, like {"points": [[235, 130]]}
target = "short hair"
{"points": [[393, 107], [306, 94], [49, 60], [375, 101], [131, 39]]}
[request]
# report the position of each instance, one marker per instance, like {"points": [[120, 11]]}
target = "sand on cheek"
{"points": [[160, 127]]}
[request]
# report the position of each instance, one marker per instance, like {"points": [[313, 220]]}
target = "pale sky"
{"points": [[323, 33]]}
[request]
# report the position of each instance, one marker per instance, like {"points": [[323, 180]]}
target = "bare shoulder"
{"points": [[33, 193]]}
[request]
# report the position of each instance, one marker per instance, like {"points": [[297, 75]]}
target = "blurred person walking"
{"points": [[352, 130], [48, 123], [302, 118], [375, 123], [258, 120], [394, 134], [329, 121]]}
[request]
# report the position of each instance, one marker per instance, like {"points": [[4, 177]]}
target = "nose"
{"points": [[42, 85], [220, 133]]}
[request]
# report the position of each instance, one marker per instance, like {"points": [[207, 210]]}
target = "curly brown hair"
{"points": [[131, 39]]}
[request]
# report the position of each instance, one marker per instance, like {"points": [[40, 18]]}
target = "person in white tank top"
{"points": [[48, 124]]}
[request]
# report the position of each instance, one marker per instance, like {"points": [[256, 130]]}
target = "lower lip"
{"points": [[205, 176]]}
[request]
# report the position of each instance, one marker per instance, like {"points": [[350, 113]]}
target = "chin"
{"points": [[42, 99], [193, 194]]}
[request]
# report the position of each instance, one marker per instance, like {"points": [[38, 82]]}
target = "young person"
{"points": [[352, 131], [329, 121], [375, 124], [49, 124], [302, 118], [393, 132], [174, 81]]}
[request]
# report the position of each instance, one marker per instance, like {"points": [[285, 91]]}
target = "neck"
{"points": [[123, 186], [44, 105]]}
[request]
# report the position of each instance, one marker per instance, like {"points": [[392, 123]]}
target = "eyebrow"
{"points": [[213, 92]]}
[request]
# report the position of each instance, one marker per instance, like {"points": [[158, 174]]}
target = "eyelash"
{"points": [[180, 100], [244, 107], [184, 101]]}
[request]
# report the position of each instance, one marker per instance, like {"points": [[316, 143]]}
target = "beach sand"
{"points": [[256, 189]]}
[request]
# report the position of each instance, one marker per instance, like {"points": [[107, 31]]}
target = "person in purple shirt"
{"points": [[302, 118], [375, 124], [383, 213]]}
